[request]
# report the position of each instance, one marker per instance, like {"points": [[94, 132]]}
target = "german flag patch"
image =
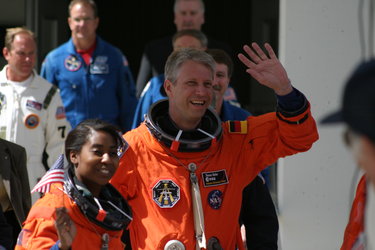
{"points": [[237, 127]]}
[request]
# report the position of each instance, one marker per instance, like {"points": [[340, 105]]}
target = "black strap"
{"points": [[49, 96], [300, 121]]}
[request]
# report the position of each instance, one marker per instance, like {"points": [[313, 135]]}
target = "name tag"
{"points": [[30, 104], [215, 178], [100, 65]]}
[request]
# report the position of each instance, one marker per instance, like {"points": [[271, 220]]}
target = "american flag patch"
{"points": [[33, 105], [60, 112], [237, 127]]}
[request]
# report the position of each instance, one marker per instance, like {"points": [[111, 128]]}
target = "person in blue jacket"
{"points": [[93, 76]]}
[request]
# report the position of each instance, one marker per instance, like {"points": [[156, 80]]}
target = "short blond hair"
{"points": [[11, 34], [179, 57]]}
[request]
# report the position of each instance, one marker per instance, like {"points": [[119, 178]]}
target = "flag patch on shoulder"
{"points": [[60, 113], [237, 127]]}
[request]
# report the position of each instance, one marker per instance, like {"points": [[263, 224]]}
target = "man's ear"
{"points": [[97, 20], [167, 87], [5, 52], [70, 22]]}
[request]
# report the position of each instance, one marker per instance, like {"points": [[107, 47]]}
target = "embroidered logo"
{"points": [[32, 121], [60, 113], [237, 127], [72, 63], [215, 199], [166, 193]]}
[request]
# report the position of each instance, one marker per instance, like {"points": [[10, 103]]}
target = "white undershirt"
{"points": [[21, 86]]}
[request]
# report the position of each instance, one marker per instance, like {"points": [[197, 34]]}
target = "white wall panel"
{"points": [[319, 46]]}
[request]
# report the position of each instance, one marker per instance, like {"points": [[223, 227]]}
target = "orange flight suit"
{"points": [[156, 183], [39, 231], [356, 223]]}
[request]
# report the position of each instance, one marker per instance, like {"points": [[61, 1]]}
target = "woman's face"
{"points": [[97, 162]]}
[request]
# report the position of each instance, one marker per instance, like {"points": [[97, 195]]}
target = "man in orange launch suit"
{"points": [[184, 171]]}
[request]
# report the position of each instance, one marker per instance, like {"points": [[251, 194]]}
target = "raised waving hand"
{"points": [[266, 69]]}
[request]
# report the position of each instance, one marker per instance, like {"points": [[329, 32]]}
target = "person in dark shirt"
{"points": [[5, 232], [188, 14], [15, 198]]}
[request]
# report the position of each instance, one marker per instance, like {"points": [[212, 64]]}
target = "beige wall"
{"points": [[319, 45]]}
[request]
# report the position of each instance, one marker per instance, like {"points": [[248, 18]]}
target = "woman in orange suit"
{"points": [[85, 211]]}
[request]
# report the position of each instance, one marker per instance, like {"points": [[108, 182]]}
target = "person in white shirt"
{"points": [[31, 111]]}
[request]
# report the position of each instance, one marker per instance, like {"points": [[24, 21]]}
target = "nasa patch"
{"points": [[32, 121], [215, 199], [166, 193], [72, 63]]}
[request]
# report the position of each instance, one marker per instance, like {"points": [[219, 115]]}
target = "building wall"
{"points": [[12, 12], [319, 46]]}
